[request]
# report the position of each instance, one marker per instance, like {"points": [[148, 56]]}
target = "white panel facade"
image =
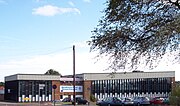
{"points": [[128, 75], [38, 77], [11, 78]]}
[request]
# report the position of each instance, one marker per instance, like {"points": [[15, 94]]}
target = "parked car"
{"points": [[157, 101], [127, 101], [110, 101], [166, 100], [67, 99], [99, 101], [141, 101], [80, 100]]}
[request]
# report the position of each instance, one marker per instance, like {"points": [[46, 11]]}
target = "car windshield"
{"points": [[79, 98], [145, 98], [126, 99], [117, 99]]}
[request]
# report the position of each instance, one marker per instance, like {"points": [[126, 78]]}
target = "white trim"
{"points": [[26, 99], [19, 99], [46, 98], [92, 76], [43, 97], [30, 98], [100, 95], [33, 99], [50, 97], [40, 98], [37, 98], [32, 77], [70, 79], [128, 75], [23, 96]]}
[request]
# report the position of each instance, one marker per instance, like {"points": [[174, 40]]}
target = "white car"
{"points": [[141, 101], [127, 101]]}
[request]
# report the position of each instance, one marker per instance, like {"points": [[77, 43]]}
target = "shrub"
{"points": [[175, 96], [92, 98]]}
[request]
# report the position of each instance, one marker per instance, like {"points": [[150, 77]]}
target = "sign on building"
{"points": [[41, 86], [71, 88]]}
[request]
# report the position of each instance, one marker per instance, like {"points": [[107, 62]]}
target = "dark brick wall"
{"points": [[1, 97], [57, 90]]}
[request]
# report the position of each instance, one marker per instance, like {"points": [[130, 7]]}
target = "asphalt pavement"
{"points": [[38, 104]]}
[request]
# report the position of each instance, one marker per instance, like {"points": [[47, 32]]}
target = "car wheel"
{"points": [[76, 103], [138, 104], [109, 104], [87, 103]]}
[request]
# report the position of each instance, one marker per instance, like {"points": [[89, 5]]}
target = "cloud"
{"points": [[38, 0], [49, 10], [87, 1], [62, 62], [71, 3], [85, 62]]}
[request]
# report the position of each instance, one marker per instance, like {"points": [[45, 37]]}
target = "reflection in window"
{"points": [[146, 85]]}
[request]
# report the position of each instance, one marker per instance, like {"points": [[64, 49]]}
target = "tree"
{"points": [[142, 30], [1, 83], [174, 2], [175, 96], [52, 72]]}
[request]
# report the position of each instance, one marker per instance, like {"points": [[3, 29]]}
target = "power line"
{"points": [[34, 53], [57, 51]]}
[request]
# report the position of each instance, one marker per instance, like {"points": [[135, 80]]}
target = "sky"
{"points": [[38, 35]]}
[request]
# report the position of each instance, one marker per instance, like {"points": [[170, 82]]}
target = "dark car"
{"points": [[166, 100], [110, 101], [141, 101], [157, 101], [80, 100], [67, 99]]}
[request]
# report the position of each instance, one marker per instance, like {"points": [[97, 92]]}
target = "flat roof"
{"points": [[39, 77], [32, 77], [126, 75], [93, 76]]}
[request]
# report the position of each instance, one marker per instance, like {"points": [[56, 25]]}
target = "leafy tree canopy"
{"points": [[1, 83], [173, 2], [52, 72], [175, 96], [137, 31]]}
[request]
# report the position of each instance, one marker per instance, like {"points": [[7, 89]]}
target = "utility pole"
{"points": [[39, 96], [54, 88], [74, 82]]}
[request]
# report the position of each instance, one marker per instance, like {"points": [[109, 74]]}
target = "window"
{"points": [[61, 96]]}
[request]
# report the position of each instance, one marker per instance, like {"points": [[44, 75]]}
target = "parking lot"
{"points": [[38, 104], [46, 104]]}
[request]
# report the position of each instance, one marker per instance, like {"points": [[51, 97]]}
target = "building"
{"points": [[38, 87], [1, 92]]}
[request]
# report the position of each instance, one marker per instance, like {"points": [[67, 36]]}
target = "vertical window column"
{"points": [[19, 91]]}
